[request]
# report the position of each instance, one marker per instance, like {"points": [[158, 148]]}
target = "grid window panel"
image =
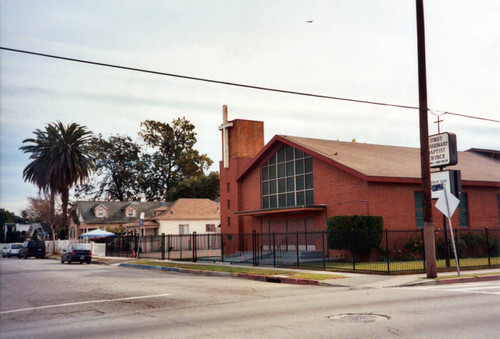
{"points": [[419, 209], [289, 168], [281, 185], [463, 211], [272, 160], [265, 202], [272, 172], [299, 166], [287, 179], [281, 155], [265, 173], [310, 197], [281, 170], [301, 198], [272, 187], [289, 153], [265, 188], [309, 181], [308, 165], [282, 200], [299, 182], [273, 201]]}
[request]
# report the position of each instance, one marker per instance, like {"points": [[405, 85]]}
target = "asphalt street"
{"points": [[46, 299]]}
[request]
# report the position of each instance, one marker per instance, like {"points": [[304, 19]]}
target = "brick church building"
{"points": [[294, 184]]}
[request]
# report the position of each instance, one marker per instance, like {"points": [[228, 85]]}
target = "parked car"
{"points": [[11, 250], [32, 248], [77, 252]]}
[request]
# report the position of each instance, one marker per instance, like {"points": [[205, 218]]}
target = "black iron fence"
{"points": [[381, 252]]}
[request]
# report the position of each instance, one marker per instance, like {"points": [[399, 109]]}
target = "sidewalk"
{"points": [[352, 280]]}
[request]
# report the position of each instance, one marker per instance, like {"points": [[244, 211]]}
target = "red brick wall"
{"points": [[395, 203], [346, 194], [343, 193], [483, 208]]}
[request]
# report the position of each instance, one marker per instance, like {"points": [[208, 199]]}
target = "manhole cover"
{"points": [[359, 317]]}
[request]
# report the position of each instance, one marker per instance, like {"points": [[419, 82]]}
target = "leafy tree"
{"points": [[173, 158], [60, 158], [7, 217], [119, 170], [39, 209], [201, 186]]}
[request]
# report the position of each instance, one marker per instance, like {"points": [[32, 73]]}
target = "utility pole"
{"points": [[429, 240]]}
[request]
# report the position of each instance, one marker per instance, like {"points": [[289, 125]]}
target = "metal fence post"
{"points": [[423, 245], [274, 249], [170, 247], [254, 249], [387, 250], [194, 255], [297, 247], [352, 252], [163, 246], [488, 247], [221, 247], [323, 243], [181, 244]]}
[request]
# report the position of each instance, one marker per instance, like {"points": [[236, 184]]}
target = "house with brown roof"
{"points": [[184, 216], [91, 215], [294, 184]]}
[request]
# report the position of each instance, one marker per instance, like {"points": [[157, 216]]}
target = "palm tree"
{"points": [[36, 172], [61, 158]]}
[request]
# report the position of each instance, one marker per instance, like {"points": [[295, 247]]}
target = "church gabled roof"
{"points": [[380, 163]]}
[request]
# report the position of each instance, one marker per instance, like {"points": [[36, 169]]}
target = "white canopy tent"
{"points": [[97, 234]]}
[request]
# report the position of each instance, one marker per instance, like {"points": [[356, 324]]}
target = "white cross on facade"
{"points": [[225, 136]]}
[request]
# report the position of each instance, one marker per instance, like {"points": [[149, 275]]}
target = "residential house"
{"points": [[184, 216], [91, 215]]}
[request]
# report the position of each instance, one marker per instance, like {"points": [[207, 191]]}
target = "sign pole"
{"points": [[451, 232]]}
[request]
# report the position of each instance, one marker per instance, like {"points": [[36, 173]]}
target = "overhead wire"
{"points": [[234, 84], [461, 115]]}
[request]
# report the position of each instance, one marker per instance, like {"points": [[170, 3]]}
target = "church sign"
{"points": [[443, 150], [446, 180]]}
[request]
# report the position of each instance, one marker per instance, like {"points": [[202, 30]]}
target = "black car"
{"points": [[77, 252], [32, 248]]}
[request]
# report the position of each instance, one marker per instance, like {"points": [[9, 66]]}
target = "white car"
{"points": [[11, 250]]}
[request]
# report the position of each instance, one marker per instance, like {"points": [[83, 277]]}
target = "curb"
{"points": [[468, 279], [459, 280], [256, 277]]}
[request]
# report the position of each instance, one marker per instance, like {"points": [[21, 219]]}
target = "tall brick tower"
{"points": [[241, 141]]}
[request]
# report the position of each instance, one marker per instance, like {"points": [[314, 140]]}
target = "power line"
{"points": [[462, 115], [234, 84], [205, 79]]}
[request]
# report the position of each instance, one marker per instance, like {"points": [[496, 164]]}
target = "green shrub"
{"points": [[354, 232]]}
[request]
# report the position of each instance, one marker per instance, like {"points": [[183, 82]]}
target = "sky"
{"points": [[356, 49]]}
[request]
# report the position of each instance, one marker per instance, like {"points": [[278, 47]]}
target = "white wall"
{"points": [[198, 226]]}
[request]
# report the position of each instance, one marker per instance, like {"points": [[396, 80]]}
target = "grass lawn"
{"points": [[249, 270], [401, 266]]}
